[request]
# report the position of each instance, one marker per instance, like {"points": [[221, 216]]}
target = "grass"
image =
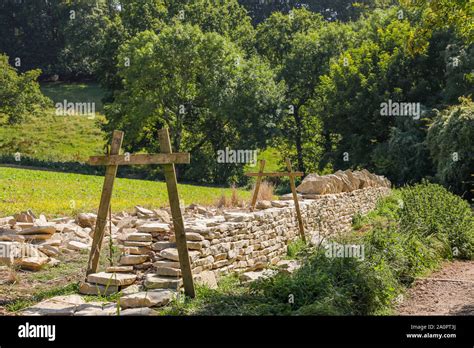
{"points": [[74, 92], [54, 138], [59, 194]]}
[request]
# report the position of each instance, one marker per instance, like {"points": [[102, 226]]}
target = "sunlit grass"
{"points": [[59, 194]]}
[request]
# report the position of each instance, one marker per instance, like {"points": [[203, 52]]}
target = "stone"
{"points": [[75, 245], [25, 217], [288, 266], [253, 276], [139, 237], [159, 246], [59, 305], [279, 204], [120, 269], [314, 183], [162, 215], [132, 289], [38, 230], [168, 271], [190, 237], [154, 227], [118, 279], [143, 311], [153, 298], [86, 220], [206, 278], [86, 288], [9, 220], [133, 259], [96, 309], [35, 237], [32, 263], [129, 243], [144, 211], [136, 250], [263, 204], [172, 254], [166, 263], [154, 281]]}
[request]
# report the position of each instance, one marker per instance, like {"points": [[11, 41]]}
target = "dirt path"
{"points": [[449, 291]]}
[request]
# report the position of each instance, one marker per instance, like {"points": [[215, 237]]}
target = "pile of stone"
{"points": [[340, 181]]}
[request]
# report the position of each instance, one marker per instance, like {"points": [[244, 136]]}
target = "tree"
{"points": [[20, 96], [299, 46], [199, 85], [451, 141]]}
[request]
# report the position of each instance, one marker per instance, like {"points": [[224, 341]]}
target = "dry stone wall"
{"points": [[246, 241]]}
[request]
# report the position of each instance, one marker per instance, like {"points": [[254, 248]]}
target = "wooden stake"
{"points": [[110, 173], [257, 184], [295, 198], [178, 222]]}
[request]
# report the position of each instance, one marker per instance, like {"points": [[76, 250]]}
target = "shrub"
{"points": [[451, 140], [20, 95], [431, 211]]}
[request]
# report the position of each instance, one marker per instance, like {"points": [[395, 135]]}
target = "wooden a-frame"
{"points": [[165, 158]]}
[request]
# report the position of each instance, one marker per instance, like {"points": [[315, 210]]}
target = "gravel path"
{"points": [[449, 291]]}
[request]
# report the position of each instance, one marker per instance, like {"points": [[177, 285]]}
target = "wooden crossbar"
{"points": [[160, 158]]}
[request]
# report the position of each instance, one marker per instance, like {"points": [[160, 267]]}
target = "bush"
{"points": [[451, 140], [20, 95], [431, 211]]}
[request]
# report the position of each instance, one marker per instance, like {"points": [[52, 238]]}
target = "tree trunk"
{"points": [[299, 140]]}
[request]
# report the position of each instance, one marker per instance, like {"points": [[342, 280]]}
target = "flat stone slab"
{"points": [[153, 298], [38, 230], [158, 246], [139, 237], [96, 309], [154, 281], [168, 271], [142, 311], [97, 289], [172, 254], [154, 227], [133, 259], [253, 276], [59, 305], [32, 263], [75, 245], [118, 279], [167, 263]]}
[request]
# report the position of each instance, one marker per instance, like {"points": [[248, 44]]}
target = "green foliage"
{"points": [[20, 94], [451, 140], [431, 211], [195, 83], [295, 248]]}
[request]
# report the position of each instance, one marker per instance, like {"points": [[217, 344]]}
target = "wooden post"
{"points": [[295, 198], [178, 222], [110, 173], [257, 184]]}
